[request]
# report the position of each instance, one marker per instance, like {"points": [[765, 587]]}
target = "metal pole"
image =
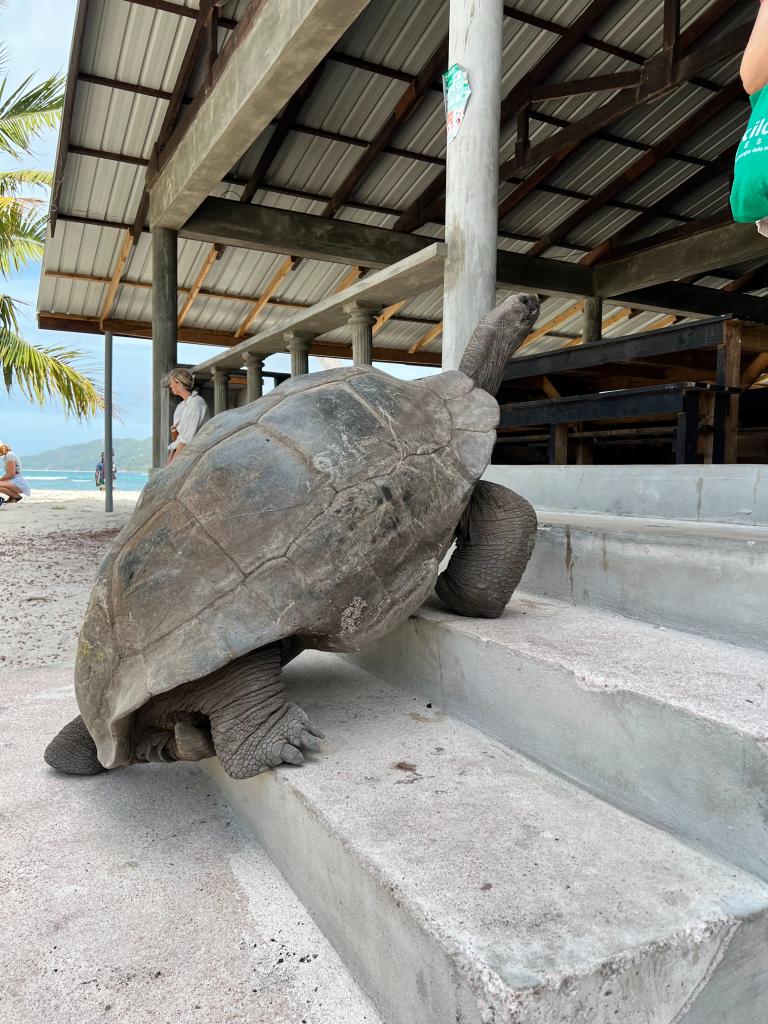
{"points": [[108, 503], [164, 332], [472, 176]]}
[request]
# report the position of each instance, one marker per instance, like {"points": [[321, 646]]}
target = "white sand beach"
{"points": [[51, 544]]}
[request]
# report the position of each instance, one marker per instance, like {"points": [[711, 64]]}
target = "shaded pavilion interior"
{"points": [[619, 124]]}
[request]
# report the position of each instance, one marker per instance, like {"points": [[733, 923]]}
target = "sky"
{"points": [[28, 428]]}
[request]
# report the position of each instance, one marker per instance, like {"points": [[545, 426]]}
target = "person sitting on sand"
{"points": [[191, 412], [13, 486]]}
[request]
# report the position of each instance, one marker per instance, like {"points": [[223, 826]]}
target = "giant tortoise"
{"points": [[315, 517]]}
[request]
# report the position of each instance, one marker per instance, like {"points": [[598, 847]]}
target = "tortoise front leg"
{"points": [[494, 542]]}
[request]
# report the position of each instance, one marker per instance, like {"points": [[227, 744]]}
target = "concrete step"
{"points": [[709, 494], [463, 883], [669, 726], [704, 577], [137, 896]]}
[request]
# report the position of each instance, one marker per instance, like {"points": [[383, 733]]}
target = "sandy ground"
{"points": [[135, 896], [50, 547]]}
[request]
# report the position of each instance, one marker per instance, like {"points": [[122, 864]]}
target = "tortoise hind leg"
{"points": [[253, 724], [494, 542], [73, 751]]}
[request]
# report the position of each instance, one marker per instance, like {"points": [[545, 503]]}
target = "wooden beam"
{"points": [[348, 279], [654, 88], [550, 325], [580, 86], [251, 85], [119, 84], [710, 248], [208, 263], [419, 273], [179, 11], [282, 272], [197, 336], [660, 151], [754, 371], [386, 315], [406, 105], [425, 339], [114, 284], [78, 35], [611, 321]]}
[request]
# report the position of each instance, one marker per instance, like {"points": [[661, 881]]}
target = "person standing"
{"points": [[754, 63], [191, 412], [13, 486]]}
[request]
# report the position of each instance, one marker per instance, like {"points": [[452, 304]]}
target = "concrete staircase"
{"points": [[559, 817]]}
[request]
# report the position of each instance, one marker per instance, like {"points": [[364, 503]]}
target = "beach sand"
{"points": [[51, 545]]}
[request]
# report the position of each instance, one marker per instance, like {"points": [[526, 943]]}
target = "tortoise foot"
{"points": [[73, 751], [280, 739]]}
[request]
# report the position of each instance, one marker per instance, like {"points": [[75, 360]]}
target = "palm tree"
{"points": [[39, 373]]}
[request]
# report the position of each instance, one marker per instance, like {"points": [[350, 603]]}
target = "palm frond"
{"points": [[22, 236], [27, 111], [11, 182], [42, 374]]}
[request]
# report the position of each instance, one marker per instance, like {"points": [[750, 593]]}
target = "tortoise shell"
{"points": [[320, 511]]}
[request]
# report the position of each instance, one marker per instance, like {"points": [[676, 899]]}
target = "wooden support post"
{"points": [[108, 483], [164, 334], [731, 355], [361, 321], [254, 385], [687, 440], [593, 320], [558, 444], [298, 345], [220, 391]]}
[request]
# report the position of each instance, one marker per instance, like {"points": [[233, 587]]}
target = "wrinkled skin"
{"points": [[240, 713]]}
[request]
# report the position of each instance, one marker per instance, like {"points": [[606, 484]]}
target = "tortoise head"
{"points": [[496, 338]]}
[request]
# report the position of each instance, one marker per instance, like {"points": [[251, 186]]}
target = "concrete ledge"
{"points": [[702, 577], [716, 494], [463, 883], [672, 728]]}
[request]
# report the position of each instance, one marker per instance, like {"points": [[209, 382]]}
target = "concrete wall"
{"points": [[717, 494]]}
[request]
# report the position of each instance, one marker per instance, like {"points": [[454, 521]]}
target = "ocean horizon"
{"points": [[80, 480]]}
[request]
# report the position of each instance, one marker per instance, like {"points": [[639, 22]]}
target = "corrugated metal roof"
{"points": [[145, 47]]}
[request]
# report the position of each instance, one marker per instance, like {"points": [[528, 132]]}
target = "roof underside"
{"points": [[128, 65]]}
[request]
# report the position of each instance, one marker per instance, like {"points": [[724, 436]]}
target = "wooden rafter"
{"points": [[208, 263], [660, 151], [551, 325], [424, 340], [386, 315], [282, 272], [349, 278], [754, 371], [655, 87], [114, 284], [82, 324], [611, 321], [406, 105]]}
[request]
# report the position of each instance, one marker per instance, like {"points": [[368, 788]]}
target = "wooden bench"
{"points": [[694, 407], [724, 352]]}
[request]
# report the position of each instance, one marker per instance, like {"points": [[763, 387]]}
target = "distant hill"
{"points": [[130, 454]]}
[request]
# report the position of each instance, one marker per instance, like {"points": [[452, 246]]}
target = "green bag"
{"points": [[749, 196]]}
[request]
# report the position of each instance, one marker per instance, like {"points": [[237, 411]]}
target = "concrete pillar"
{"points": [[164, 333], [361, 321], [593, 320], [254, 384], [298, 345], [472, 176], [220, 389], [108, 504]]}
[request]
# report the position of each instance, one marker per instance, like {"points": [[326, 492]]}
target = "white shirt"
{"points": [[11, 457], [189, 416]]}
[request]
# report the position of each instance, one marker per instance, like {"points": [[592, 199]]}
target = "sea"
{"points": [[79, 480]]}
